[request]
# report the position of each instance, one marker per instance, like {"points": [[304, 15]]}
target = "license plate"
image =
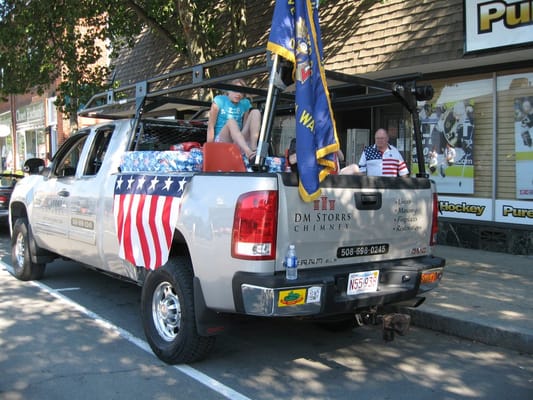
{"points": [[362, 282], [361, 251]]}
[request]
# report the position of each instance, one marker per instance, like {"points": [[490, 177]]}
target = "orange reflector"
{"points": [[430, 277]]}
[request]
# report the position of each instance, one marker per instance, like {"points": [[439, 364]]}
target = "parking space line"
{"points": [[193, 373]]}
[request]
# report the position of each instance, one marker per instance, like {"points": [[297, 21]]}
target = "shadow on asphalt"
{"points": [[262, 358]]}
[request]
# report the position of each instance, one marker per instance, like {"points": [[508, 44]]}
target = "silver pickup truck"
{"points": [[133, 197]]}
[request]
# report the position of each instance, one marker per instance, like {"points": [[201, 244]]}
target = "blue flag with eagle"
{"points": [[295, 35]]}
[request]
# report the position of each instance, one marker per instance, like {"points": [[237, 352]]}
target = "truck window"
{"points": [[161, 135], [98, 150], [67, 162]]}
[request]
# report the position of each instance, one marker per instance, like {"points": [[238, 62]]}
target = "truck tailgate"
{"points": [[357, 219]]}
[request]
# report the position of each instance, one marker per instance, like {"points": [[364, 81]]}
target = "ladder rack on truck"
{"points": [[180, 92]]}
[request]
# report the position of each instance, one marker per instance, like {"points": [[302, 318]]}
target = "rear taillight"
{"points": [[255, 226], [434, 221]]}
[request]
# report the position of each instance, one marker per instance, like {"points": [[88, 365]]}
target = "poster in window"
{"points": [[524, 147], [448, 142]]}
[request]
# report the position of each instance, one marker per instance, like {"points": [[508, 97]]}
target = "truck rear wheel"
{"points": [[23, 267], [167, 310]]}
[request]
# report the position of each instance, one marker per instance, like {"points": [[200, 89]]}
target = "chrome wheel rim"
{"points": [[166, 311], [20, 247]]}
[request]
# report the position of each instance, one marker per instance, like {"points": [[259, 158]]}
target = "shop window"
{"points": [[515, 136], [457, 130]]}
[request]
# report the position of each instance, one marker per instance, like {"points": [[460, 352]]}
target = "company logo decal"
{"points": [[291, 297], [324, 204], [323, 218]]}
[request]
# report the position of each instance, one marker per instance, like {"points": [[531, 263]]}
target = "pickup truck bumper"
{"points": [[323, 292]]}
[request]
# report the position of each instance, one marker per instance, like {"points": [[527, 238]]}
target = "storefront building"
{"points": [[28, 129], [30, 132], [477, 55], [6, 142]]}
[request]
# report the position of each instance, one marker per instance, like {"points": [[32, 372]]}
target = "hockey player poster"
{"points": [[524, 147], [448, 137]]}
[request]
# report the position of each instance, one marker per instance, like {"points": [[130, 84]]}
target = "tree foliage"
{"points": [[42, 40]]}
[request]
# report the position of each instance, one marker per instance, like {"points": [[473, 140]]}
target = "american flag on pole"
{"points": [[146, 209]]}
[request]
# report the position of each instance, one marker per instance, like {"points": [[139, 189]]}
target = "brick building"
{"points": [[30, 127]]}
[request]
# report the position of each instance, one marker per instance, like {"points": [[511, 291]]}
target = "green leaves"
{"points": [[71, 40]]}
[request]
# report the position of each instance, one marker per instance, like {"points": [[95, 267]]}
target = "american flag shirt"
{"points": [[146, 209], [390, 163]]}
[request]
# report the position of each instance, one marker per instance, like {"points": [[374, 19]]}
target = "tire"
{"points": [[23, 267], [168, 316]]}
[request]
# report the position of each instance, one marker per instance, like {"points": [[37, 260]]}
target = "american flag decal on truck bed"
{"points": [[146, 209]]}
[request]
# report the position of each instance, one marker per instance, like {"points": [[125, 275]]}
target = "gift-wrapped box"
{"points": [[162, 161]]}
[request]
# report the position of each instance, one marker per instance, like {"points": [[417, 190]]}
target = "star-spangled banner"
{"points": [[146, 209]]}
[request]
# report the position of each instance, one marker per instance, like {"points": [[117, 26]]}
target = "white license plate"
{"points": [[362, 282]]}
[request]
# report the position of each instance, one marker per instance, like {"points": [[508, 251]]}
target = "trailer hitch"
{"points": [[392, 323], [395, 323]]}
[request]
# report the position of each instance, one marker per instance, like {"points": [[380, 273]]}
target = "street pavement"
{"points": [[483, 296]]}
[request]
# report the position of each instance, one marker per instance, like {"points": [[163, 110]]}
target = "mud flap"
{"points": [[208, 322]]}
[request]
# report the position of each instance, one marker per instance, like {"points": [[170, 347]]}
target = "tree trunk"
{"points": [[195, 46], [151, 22], [237, 12]]}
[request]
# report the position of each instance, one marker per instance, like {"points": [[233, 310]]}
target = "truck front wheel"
{"points": [[167, 310], [23, 267]]}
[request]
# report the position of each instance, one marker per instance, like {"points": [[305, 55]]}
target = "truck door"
{"points": [[51, 218], [84, 196], [91, 232]]}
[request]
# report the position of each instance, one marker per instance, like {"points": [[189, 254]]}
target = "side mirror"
{"points": [[33, 166]]}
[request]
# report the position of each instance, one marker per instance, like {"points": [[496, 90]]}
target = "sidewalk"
{"points": [[484, 296]]}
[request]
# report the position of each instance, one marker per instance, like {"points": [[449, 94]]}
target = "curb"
{"points": [[508, 337]]}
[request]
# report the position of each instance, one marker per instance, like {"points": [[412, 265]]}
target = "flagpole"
{"points": [[268, 115]]}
